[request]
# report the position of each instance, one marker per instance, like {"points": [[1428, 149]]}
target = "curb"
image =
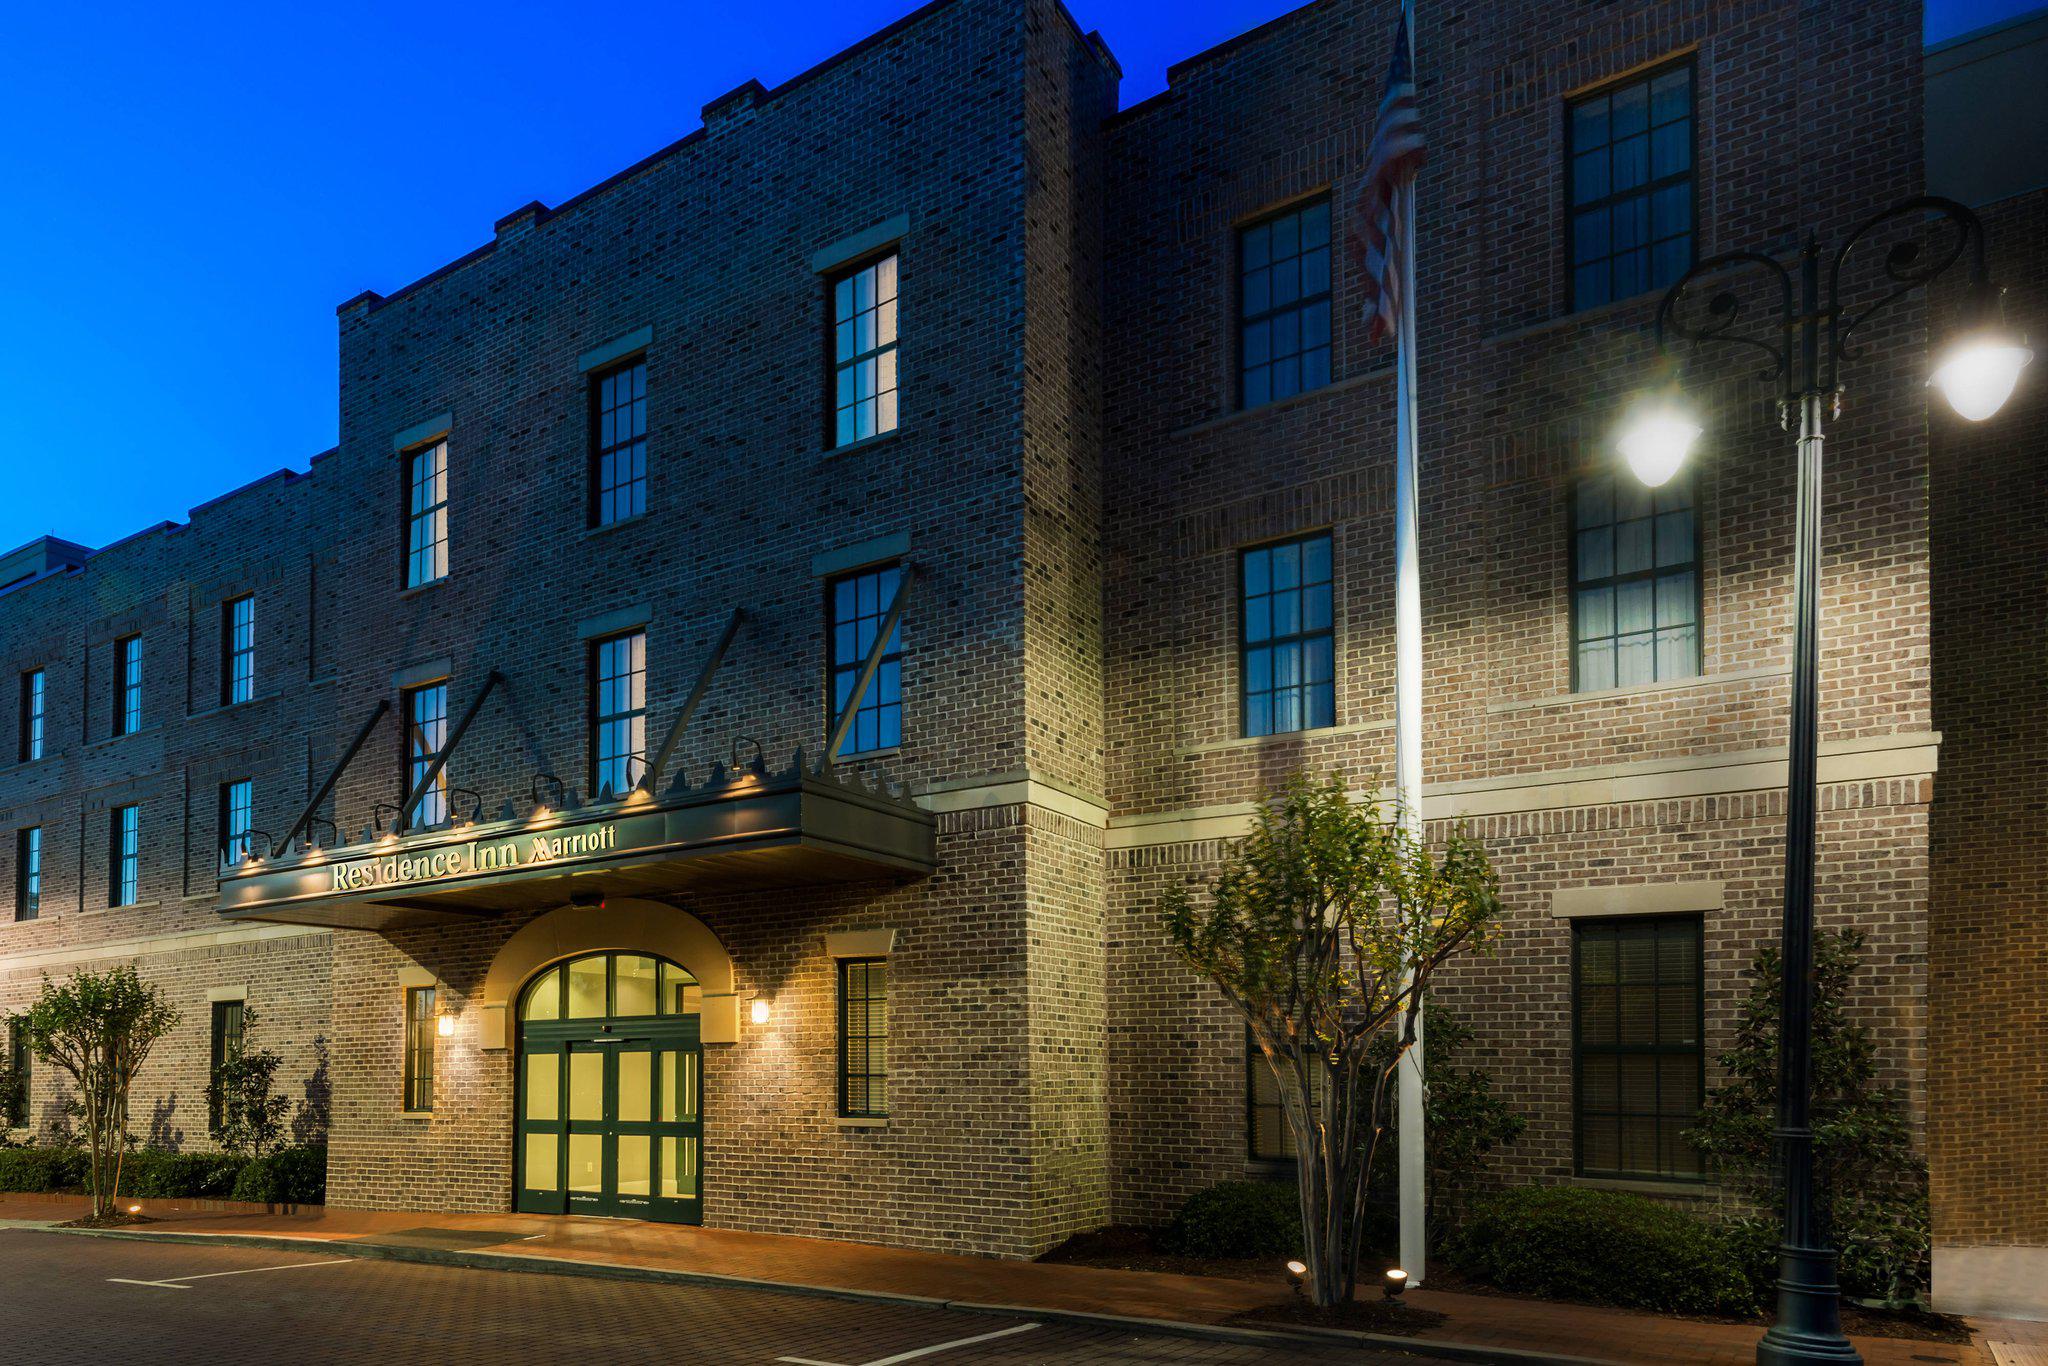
{"points": [[564, 1266]]}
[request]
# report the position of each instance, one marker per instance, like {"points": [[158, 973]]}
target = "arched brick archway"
{"points": [[624, 924]]}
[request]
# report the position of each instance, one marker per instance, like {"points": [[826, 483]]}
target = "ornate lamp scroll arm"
{"points": [[1910, 265], [1724, 311]]}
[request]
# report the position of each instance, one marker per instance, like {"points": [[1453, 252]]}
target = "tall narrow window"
{"points": [[864, 352], [1283, 305], [1267, 1138], [237, 650], [860, 602], [127, 685], [35, 701], [426, 484], [1635, 583], [1288, 640], [124, 855], [1636, 1014], [28, 873], [426, 735], [419, 1049], [864, 1038], [618, 444], [227, 1046], [1630, 182], [237, 813], [19, 1072], [618, 712]]}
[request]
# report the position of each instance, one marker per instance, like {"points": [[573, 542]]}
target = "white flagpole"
{"points": [[1408, 695]]}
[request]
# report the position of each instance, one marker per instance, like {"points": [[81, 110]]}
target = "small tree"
{"points": [[1324, 927], [249, 1117], [99, 1028]]}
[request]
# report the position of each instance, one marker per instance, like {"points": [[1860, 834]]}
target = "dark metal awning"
{"points": [[802, 827]]}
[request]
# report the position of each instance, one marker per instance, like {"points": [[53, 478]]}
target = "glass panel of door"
{"points": [[611, 1125]]}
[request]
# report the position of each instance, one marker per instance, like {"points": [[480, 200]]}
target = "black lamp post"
{"points": [[1805, 346]]}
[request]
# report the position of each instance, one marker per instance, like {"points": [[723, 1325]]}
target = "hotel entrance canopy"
{"points": [[801, 827]]}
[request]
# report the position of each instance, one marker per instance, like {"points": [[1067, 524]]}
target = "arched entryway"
{"points": [[609, 1102]]}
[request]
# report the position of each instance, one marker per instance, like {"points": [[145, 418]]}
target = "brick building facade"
{"points": [[1101, 414]]}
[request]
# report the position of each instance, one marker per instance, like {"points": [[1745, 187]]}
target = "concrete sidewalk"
{"points": [[1487, 1326]]}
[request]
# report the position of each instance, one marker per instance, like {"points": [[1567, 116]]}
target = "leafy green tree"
{"points": [[1870, 1188], [99, 1028], [1322, 929], [241, 1094], [1463, 1120]]}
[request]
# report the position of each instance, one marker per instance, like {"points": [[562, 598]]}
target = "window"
{"points": [[1636, 1025], [124, 855], [859, 604], [28, 873], [419, 1049], [237, 650], [426, 735], [1266, 1136], [227, 1046], [1629, 180], [618, 712], [1283, 305], [19, 1065], [1288, 643], [127, 685], [618, 444], [864, 352], [864, 1038], [426, 482], [35, 703], [237, 811], [1635, 585]]}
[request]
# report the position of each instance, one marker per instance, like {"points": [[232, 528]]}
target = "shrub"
{"points": [[289, 1176], [36, 1170], [1567, 1242], [1239, 1219], [154, 1175]]}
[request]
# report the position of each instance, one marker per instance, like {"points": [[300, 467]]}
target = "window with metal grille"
{"points": [[419, 1049], [426, 735], [1637, 1011], [1629, 176], [426, 494], [28, 872], [859, 603], [1283, 305], [864, 1038], [227, 1046], [124, 849], [618, 712], [864, 352], [35, 703], [127, 685], [237, 650], [618, 443], [1635, 583], [237, 814], [1286, 637]]}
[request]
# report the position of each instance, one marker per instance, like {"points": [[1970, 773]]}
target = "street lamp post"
{"points": [[1805, 346]]}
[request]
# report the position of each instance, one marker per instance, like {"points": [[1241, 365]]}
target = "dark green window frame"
{"points": [[864, 1038], [28, 872], [1287, 635], [420, 1033], [1637, 601], [227, 1045], [1638, 1046], [20, 1068], [1640, 134]]}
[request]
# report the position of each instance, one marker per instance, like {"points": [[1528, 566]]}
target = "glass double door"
{"points": [[611, 1119]]}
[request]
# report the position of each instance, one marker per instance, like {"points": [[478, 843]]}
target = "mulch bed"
{"points": [[1133, 1249], [107, 1221], [1365, 1316]]}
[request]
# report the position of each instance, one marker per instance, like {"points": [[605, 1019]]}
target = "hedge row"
{"points": [[291, 1176]]}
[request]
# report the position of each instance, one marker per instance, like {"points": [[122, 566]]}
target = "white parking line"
{"points": [[915, 1353], [177, 1282]]}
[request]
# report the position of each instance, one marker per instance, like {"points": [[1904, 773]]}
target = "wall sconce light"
{"points": [[540, 806], [377, 810], [758, 1012], [758, 766], [445, 1025], [309, 843], [476, 808]]}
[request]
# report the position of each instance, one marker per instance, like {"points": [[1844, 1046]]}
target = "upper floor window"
{"points": [[1288, 639], [237, 813], [426, 483], [35, 702], [864, 352], [1630, 183], [127, 685], [1636, 1025], [860, 602], [237, 650], [618, 443], [28, 873], [1283, 305], [618, 712], [1635, 583], [124, 855], [426, 736]]}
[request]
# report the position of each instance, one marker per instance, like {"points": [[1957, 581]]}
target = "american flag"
{"points": [[1378, 234]]}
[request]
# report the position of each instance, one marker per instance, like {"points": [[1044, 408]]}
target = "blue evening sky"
{"points": [[189, 190]]}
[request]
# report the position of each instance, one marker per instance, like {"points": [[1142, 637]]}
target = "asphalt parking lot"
{"points": [[67, 1298]]}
